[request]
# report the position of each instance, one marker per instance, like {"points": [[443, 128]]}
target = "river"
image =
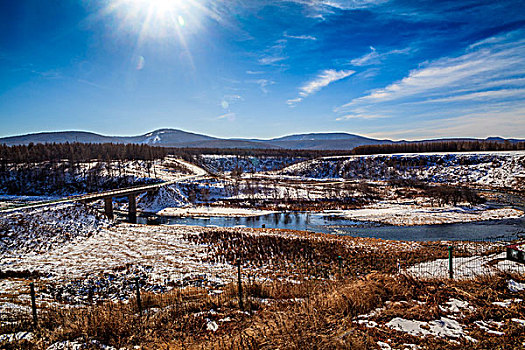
{"points": [[309, 221]]}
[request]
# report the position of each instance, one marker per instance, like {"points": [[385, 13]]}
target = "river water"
{"points": [[308, 221]]}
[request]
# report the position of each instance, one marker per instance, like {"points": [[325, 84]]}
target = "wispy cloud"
{"points": [[486, 81], [481, 96], [263, 84], [324, 79], [90, 83], [469, 72], [227, 100], [300, 37], [269, 60], [509, 123], [292, 102], [375, 57], [274, 53], [322, 8], [360, 116]]}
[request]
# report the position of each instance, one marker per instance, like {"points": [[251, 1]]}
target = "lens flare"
{"points": [[157, 19], [181, 21], [166, 23]]}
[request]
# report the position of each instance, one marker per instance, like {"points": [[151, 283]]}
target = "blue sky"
{"points": [[243, 68]]}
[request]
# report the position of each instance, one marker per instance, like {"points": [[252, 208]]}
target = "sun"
{"points": [[161, 24], [160, 7], [154, 19]]}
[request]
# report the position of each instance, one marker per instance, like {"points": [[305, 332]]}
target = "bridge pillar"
{"points": [[132, 209], [108, 207]]}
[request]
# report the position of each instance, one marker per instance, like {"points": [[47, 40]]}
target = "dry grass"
{"points": [[313, 306], [283, 315]]}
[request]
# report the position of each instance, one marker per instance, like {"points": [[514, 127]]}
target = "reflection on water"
{"points": [[307, 221]]}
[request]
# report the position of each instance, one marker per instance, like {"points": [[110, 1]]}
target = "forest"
{"points": [[85, 152], [78, 152], [439, 146]]}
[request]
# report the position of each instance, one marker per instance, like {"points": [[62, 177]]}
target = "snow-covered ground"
{"points": [[166, 197], [454, 323], [227, 163], [408, 214], [213, 211], [64, 179], [34, 231], [167, 169], [162, 247], [494, 169], [466, 267]]}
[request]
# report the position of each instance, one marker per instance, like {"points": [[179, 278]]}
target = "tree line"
{"points": [[439, 146], [66, 168], [79, 152], [85, 152]]}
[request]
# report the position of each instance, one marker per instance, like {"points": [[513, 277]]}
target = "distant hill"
{"points": [[161, 137], [320, 137], [325, 141], [179, 138], [58, 137]]}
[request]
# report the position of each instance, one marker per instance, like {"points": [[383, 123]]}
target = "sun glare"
{"points": [[156, 18], [160, 7], [163, 22]]}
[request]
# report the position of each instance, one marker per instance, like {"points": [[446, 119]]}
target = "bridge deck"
{"points": [[102, 195]]}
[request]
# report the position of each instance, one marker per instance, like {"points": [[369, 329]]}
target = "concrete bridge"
{"points": [[131, 193]]}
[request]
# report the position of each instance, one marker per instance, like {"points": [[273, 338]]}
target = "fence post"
{"points": [[450, 266], [239, 283], [33, 303], [139, 302]]}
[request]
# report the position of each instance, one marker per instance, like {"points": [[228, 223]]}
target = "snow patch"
{"points": [[444, 327], [213, 211], [11, 337], [167, 196], [515, 287], [410, 214]]}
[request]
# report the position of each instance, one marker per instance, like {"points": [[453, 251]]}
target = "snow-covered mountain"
{"points": [[180, 138]]}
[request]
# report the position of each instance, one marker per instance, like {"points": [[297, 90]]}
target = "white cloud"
{"points": [[508, 124], [292, 102], [269, 60], [482, 95], [360, 116], [374, 57], [327, 6], [481, 91], [300, 37], [263, 84], [369, 58], [274, 53], [320, 9], [472, 72], [324, 79], [233, 98]]}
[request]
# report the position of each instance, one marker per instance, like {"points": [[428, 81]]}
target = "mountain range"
{"points": [[179, 138]]}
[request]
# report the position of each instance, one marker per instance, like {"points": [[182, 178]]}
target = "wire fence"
{"points": [[469, 259], [252, 280]]}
